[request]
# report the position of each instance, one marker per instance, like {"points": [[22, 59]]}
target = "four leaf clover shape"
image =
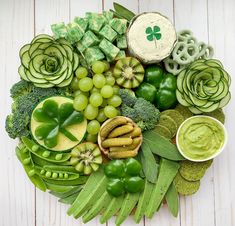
{"points": [[153, 33]]}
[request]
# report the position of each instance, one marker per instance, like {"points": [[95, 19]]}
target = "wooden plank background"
{"points": [[211, 21]]}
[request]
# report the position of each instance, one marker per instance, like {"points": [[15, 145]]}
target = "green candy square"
{"points": [[108, 15], [96, 23], [119, 25], [120, 55], [108, 48], [74, 32], [80, 47], [93, 54], [122, 42], [81, 22], [59, 30], [89, 39], [108, 33]]}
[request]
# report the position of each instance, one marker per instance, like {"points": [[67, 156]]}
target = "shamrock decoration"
{"points": [[153, 33], [55, 120]]}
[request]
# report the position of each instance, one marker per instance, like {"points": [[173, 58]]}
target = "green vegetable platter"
{"points": [[118, 114]]}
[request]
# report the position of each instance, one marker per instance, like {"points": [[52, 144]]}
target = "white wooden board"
{"points": [[211, 21]]}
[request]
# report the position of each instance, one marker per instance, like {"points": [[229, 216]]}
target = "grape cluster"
{"points": [[96, 96]]}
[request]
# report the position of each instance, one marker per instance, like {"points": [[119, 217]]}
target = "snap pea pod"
{"points": [[97, 207], [70, 199], [65, 194], [172, 200], [123, 12], [112, 209], [128, 204], [69, 169], [42, 162], [55, 174], [143, 201], [78, 181], [45, 154], [91, 183], [24, 156], [58, 188]]}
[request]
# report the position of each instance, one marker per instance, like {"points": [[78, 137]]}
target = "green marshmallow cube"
{"points": [[96, 23], [108, 33], [81, 22], [93, 54], [108, 15], [110, 50], [122, 42], [119, 25], [59, 30], [80, 47], [74, 32], [89, 39], [120, 55]]}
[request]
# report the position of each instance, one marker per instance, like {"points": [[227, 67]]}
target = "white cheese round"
{"points": [[151, 37]]}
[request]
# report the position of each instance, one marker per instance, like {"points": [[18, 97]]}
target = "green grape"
{"points": [[99, 80], [74, 84], [91, 138], [93, 127], [107, 91], [110, 80], [96, 99], [110, 111], [81, 72], [116, 89], [101, 117], [115, 101], [85, 84], [107, 65], [105, 103], [78, 92], [80, 102], [91, 112], [95, 90], [98, 67]]}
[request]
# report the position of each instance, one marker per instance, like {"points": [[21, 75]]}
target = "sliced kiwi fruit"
{"points": [[129, 72], [86, 157]]}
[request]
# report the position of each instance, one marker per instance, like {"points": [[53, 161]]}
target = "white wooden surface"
{"points": [[211, 20]]}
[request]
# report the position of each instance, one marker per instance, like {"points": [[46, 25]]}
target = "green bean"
{"points": [[46, 172], [51, 156], [25, 159]]}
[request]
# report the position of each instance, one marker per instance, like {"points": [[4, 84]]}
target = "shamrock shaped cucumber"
{"points": [[54, 124]]}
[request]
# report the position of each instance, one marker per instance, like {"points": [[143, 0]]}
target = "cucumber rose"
{"points": [[48, 62], [203, 86]]}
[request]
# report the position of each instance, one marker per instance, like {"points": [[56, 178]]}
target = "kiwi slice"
{"points": [[86, 157], [185, 187], [129, 72]]}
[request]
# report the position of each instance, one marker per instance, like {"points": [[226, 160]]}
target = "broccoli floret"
{"points": [[145, 114], [16, 125], [128, 97], [20, 88]]}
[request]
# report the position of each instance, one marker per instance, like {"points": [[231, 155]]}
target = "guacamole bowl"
{"points": [[201, 138]]}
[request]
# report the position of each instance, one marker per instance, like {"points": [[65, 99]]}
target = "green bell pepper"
{"points": [[159, 88], [123, 176]]}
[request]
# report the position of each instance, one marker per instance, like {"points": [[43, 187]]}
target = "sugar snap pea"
{"points": [[58, 188], [24, 156], [123, 12], [73, 190], [51, 156], [78, 181], [55, 173], [172, 200], [70, 199]]}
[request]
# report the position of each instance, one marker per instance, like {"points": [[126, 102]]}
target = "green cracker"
{"points": [[109, 49], [108, 33], [185, 187], [81, 22], [122, 42], [194, 171], [119, 25], [163, 131], [217, 114], [167, 121], [89, 39], [184, 111], [93, 54], [175, 115]]}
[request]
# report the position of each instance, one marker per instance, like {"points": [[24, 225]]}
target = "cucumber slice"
{"points": [[76, 61], [24, 49], [42, 38], [21, 71], [33, 47], [25, 59]]}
